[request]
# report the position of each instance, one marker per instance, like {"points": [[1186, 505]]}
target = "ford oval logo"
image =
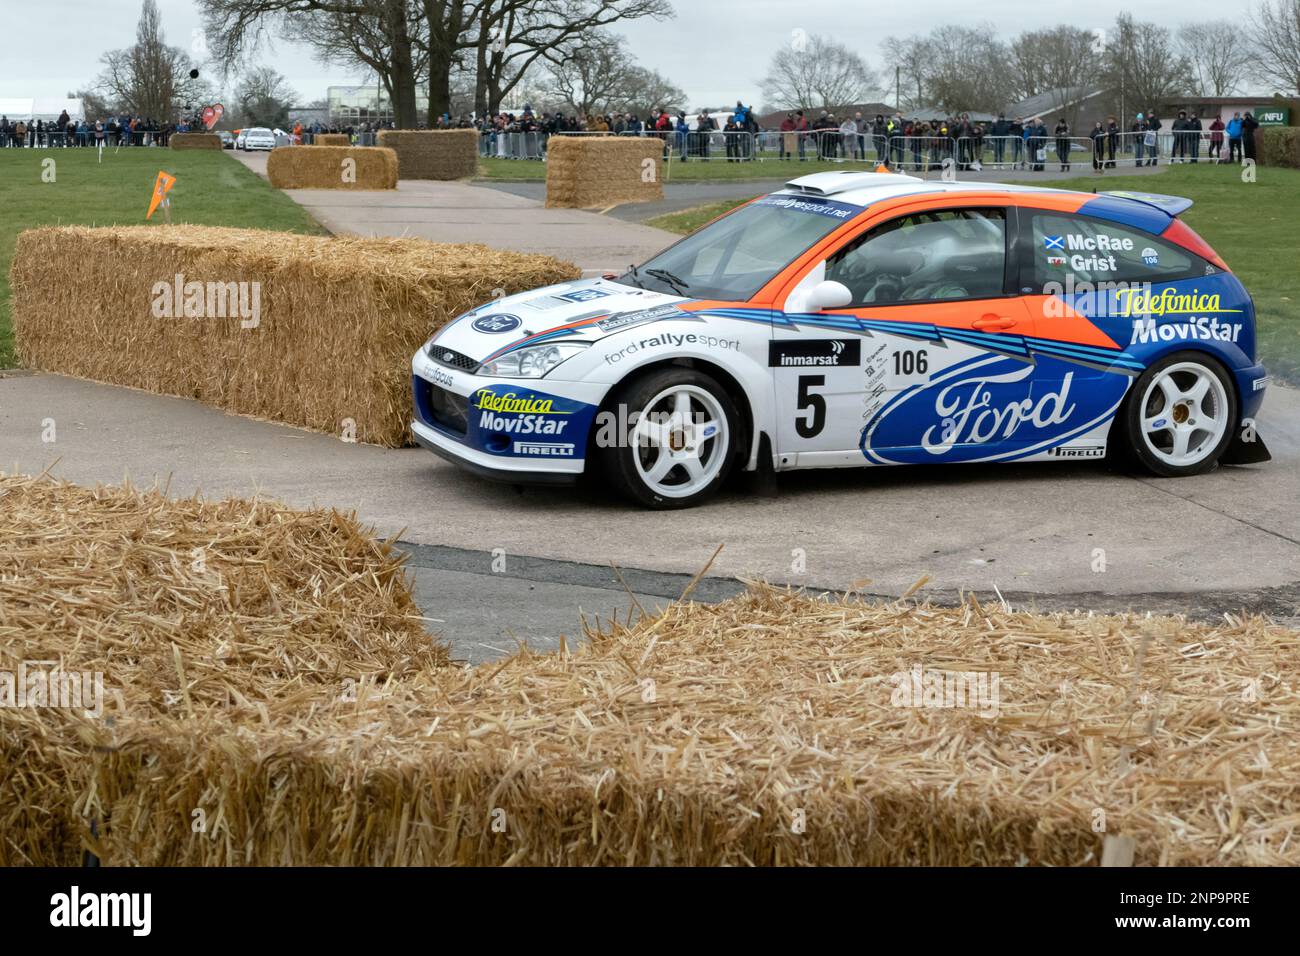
{"points": [[990, 408], [500, 322]]}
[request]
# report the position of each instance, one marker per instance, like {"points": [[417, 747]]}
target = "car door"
{"points": [[927, 362]]}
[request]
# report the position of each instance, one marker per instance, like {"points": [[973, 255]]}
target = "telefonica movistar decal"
{"points": [[1167, 302], [509, 402]]}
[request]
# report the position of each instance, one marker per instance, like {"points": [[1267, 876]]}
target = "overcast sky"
{"points": [[716, 50]]}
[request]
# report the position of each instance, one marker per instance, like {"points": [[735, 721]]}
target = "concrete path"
{"points": [[460, 212], [1217, 542]]}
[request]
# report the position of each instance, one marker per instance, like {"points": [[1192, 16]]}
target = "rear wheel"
{"points": [[1180, 416], [681, 441]]}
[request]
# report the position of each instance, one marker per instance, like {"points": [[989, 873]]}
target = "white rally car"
{"points": [[862, 319]]}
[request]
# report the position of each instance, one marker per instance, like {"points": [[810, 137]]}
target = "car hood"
{"points": [[583, 310]]}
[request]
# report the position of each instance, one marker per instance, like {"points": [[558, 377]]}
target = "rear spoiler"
{"points": [[1173, 205]]}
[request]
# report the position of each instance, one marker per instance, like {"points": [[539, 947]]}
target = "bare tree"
{"points": [[149, 79], [1218, 59], [510, 36], [1275, 31], [815, 72], [93, 103], [382, 34], [384, 38], [967, 69], [598, 73], [588, 74], [1142, 67], [263, 98], [906, 60], [1057, 58], [648, 90]]}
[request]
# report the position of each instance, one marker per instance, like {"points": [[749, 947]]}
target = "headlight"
{"points": [[532, 362]]}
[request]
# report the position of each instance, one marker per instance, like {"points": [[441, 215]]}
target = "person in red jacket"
{"points": [[786, 142], [801, 131], [1216, 139]]}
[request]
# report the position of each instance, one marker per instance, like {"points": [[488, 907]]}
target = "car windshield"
{"points": [[737, 255]]}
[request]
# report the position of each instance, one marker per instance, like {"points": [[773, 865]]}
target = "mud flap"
{"points": [[1246, 447], [762, 480]]}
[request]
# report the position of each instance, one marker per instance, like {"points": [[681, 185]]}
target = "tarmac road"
{"points": [[1032, 532]]}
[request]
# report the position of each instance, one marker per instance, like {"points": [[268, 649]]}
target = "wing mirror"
{"points": [[828, 294]]}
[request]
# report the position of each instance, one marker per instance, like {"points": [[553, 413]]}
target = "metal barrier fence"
{"points": [[911, 153]]}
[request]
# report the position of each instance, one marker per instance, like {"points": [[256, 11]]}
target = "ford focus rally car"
{"points": [[862, 319]]}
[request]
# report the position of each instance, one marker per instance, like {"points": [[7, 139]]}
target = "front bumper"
{"points": [[506, 429], [484, 466]]}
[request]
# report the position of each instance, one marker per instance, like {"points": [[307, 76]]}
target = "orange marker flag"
{"points": [[161, 188]]}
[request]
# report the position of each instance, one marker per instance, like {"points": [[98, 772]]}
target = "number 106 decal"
{"points": [[908, 367]]}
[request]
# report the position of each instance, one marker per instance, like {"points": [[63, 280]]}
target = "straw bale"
{"points": [[194, 141], [323, 167], [331, 139], [433, 153], [189, 608], [585, 172], [699, 735], [339, 317]]}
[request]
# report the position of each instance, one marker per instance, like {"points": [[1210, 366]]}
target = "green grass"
{"points": [[1255, 227], [715, 170], [688, 220], [211, 189]]}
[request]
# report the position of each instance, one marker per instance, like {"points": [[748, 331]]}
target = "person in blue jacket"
{"points": [[682, 129], [1234, 138]]}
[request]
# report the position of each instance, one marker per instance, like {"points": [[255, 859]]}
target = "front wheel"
{"points": [[1180, 416], [681, 441]]}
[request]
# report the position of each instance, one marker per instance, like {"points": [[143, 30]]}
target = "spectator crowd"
{"points": [[894, 141]]}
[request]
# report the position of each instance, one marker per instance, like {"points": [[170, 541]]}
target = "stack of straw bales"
{"points": [[194, 141], [332, 167], [338, 318], [585, 172], [331, 139], [765, 730], [433, 154]]}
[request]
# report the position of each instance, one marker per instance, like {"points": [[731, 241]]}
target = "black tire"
{"points": [[1136, 446], [619, 462]]}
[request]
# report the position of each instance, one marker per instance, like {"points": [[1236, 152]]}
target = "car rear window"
{"points": [[1096, 250]]}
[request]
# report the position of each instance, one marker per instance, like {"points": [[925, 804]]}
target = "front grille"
{"points": [[450, 357]]}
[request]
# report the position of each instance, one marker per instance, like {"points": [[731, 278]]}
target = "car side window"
{"points": [[925, 257], [1095, 250]]}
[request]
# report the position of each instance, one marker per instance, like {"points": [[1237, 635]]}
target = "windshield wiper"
{"points": [[678, 284]]}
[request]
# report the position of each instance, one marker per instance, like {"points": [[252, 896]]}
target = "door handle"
{"points": [[991, 321]]}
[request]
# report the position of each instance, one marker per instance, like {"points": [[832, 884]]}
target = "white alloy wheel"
{"points": [[682, 441], [1184, 414]]}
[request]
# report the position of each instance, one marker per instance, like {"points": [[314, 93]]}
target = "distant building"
{"points": [[1080, 105], [928, 113], [1208, 107], [307, 115], [355, 105]]}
